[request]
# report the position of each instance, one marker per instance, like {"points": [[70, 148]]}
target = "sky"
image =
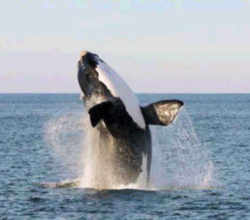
{"points": [[161, 46]]}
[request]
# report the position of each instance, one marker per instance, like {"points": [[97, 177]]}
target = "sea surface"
{"points": [[201, 163]]}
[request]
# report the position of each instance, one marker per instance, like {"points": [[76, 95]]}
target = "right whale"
{"points": [[121, 124]]}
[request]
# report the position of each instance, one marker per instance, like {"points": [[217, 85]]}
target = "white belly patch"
{"points": [[120, 89]]}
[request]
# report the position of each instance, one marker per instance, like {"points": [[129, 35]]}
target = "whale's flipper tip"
{"points": [[162, 112]]}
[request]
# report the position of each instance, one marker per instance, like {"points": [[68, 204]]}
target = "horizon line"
{"points": [[76, 93]]}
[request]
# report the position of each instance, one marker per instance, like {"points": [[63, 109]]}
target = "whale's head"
{"points": [[100, 83], [89, 78]]}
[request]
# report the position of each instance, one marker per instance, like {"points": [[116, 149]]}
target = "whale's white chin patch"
{"points": [[119, 88]]}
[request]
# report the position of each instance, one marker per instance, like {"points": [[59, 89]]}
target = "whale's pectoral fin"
{"points": [[162, 112], [99, 111]]}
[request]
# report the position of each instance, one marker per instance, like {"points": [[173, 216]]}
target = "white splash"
{"points": [[97, 169], [179, 159], [65, 135]]}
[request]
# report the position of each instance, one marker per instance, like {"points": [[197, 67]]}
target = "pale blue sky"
{"points": [[155, 45]]}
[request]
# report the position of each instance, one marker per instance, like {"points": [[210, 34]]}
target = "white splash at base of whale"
{"points": [[180, 161]]}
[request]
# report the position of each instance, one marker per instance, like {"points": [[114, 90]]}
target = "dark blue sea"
{"points": [[201, 163]]}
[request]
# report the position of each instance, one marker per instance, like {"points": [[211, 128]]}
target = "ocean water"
{"points": [[200, 163]]}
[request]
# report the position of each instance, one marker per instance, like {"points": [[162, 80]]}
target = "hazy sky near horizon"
{"points": [[170, 46]]}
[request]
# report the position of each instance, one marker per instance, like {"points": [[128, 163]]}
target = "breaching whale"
{"points": [[121, 123]]}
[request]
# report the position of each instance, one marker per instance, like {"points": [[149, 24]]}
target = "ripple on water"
{"points": [[26, 158]]}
